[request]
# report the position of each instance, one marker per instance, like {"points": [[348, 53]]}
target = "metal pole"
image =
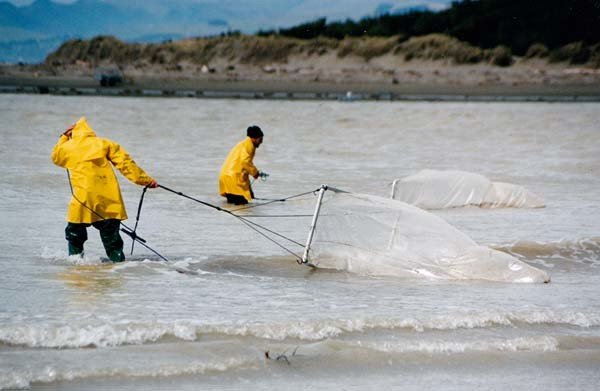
{"points": [[394, 183], [313, 224]]}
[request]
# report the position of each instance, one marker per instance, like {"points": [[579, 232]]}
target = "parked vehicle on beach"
{"points": [[108, 76]]}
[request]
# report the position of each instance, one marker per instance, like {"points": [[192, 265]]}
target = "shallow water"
{"points": [[70, 324]]}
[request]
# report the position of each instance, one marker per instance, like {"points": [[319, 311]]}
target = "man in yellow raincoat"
{"points": [[234, 181], [97, 199]]}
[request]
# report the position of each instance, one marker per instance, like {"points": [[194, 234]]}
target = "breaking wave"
{"points": [[255, 359], [541, 343], [581, 251], [50, 374], [107, 335]]}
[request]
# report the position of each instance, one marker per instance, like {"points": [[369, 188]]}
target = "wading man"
{"points": [[234, 181], [97, 199]]}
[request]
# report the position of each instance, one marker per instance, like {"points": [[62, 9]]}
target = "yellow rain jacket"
{"points": [[236, 168], [89, 160]]}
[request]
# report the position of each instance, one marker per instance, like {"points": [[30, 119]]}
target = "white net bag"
{"points": [[433, 189], [377, 236]]}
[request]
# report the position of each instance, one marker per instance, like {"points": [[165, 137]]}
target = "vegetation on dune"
{"points": [[245, 49], [487, 24], [469, 32], [97, 50], [261, 50], [440, 47], [367, 47], [537, 50], [577, 53]]}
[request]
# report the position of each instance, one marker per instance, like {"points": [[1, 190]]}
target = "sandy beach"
{"points": [[322, 77]]}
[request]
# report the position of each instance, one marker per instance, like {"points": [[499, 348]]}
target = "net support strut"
{"points": [[394, 185], [313, 224]]}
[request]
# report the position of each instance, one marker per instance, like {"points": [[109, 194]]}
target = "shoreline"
{"points": [[300, 89]]}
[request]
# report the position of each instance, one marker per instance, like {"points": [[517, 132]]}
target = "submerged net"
{"points": [[377, 236], [433, 189]]}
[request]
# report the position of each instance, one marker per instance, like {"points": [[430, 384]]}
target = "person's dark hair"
{"points": [[254, 132]]}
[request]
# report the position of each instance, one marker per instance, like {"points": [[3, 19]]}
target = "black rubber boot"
{"points": [[111, 239], [76, 235]]}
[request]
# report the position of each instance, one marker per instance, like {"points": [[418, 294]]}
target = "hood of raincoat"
{"points": [[82, 129], [89, 160]]}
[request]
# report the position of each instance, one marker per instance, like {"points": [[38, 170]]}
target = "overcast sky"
{"points": [[25, 2], [350, 7], [209, 17]]}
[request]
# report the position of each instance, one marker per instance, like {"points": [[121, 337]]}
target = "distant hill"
{"points": [[44, 24], [86, 18], [29, 33], [28, 50]]}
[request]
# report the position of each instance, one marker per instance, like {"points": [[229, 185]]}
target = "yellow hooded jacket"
{"points": [[89, 160], [236, 168]]}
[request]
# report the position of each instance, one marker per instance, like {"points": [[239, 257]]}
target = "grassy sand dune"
{"points": [[257, 50], [431, 62]]}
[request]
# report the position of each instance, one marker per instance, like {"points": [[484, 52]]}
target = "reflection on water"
{"points": [[91, 281]]}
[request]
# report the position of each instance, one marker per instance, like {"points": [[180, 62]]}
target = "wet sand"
{"points": [[282, 88]]}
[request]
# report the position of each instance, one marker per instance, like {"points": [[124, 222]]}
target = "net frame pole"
{"points": [[394, 183], [313, 224]]}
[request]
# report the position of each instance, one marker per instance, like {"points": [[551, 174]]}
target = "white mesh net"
{"points": [[433, 189], [377, 236]]}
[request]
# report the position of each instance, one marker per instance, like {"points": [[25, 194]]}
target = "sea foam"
{"points": [[107, 334]]}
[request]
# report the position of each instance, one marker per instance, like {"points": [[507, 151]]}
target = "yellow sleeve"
{"points": [[126, 165], [58, 157], [247, 157]]}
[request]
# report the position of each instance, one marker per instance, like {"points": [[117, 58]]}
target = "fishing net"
{"points": [[377, 236], [432, 189]]}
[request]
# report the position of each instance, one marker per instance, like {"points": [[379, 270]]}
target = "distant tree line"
{"points": [[517, 24], [468, 32]]}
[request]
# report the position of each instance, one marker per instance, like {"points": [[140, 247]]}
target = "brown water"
{"points": [[68, 324]]}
